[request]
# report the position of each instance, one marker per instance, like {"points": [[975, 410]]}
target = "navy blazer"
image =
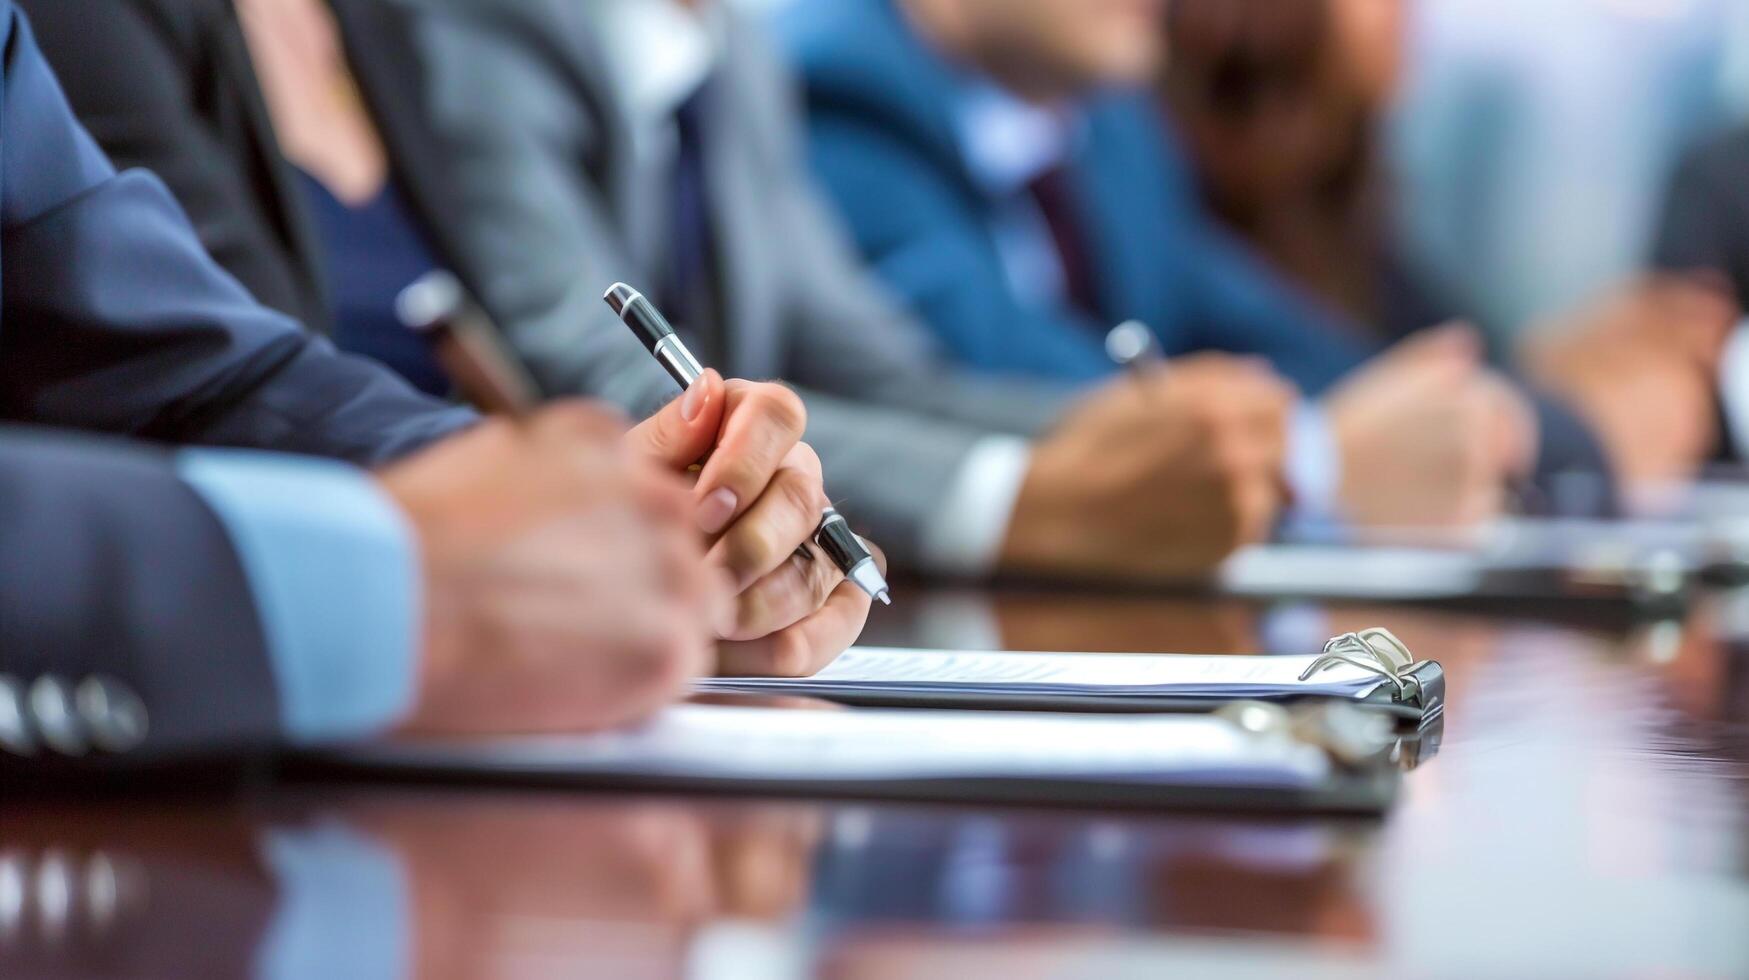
{"points": [[113, 320], [883, 139]]}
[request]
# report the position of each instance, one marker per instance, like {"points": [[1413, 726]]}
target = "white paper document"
{"points": [[994, 674], [1394, 573], [1510, 556], [723, 744]]}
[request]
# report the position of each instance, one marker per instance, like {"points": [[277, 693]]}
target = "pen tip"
{"points": [[885, 597], [619, 296]]}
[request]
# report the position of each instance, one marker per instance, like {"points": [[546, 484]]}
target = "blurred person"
{"points": [[656, 143], [1705, 229], [1004, 168], [454, 146], [356, 199], [1281, 105], [160, 607]]}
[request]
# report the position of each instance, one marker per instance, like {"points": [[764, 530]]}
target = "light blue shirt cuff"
{"points": [[334, 570], [343, 908], [1314, 468]]}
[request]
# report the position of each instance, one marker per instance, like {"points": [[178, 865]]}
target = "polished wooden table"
{"points": [[1586, 816]]}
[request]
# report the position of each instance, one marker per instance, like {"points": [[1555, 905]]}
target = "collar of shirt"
{"points": [[658, 52], [1007, 142]]}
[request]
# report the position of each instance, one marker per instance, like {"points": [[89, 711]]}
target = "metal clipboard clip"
{"points": [[1353, 736], [1414, 684]]}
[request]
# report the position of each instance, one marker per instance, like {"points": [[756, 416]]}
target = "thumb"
{"points": [[1455, 341], [1439, 357], [685, 430], [1516, 430]]}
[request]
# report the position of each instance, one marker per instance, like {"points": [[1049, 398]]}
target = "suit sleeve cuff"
{"points": [[965, 533], [334, 570]]}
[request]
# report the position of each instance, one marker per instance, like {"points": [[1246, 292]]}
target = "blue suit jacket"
{"points": [[883, 140], [113, 320]]}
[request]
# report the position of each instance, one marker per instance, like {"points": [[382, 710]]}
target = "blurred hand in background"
{"points": [[1159, 477], [1429, 438], [1642, 366]]}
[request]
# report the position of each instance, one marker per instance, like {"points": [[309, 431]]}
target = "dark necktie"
{"points": [[1055, 194], [693, 282]]}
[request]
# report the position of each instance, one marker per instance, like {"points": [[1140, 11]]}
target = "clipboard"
{"points": [[1251, 756], [1379, 673]]}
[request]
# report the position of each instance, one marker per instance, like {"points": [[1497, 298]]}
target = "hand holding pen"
{"points": [[834, 537], [757, 496]]}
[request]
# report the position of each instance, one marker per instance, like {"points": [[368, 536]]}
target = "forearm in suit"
{"points": [[110, 566], [115, 318]]}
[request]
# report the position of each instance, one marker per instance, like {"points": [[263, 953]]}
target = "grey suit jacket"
{"points": [[558, 211]]}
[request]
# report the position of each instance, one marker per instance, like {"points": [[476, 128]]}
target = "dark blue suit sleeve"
{"points": [[111, 566], [913, 221], [116, 320]]}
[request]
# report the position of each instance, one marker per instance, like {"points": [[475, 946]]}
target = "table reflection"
{"points": [[1588, 815], [971, 872], [391, 884], [144, 891], [513, 886], [443, 883]]}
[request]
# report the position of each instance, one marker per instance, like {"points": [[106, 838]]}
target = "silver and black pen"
{"points": [[834, 536]]}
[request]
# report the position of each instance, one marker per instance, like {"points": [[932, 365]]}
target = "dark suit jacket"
{"points": [[885, 140], [1706, 225], [169, 85], [113, 319], [1706, 217]]}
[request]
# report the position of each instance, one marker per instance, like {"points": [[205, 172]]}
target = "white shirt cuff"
{"points": [[964, 535], [1734, 387], [1314, 467]]}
